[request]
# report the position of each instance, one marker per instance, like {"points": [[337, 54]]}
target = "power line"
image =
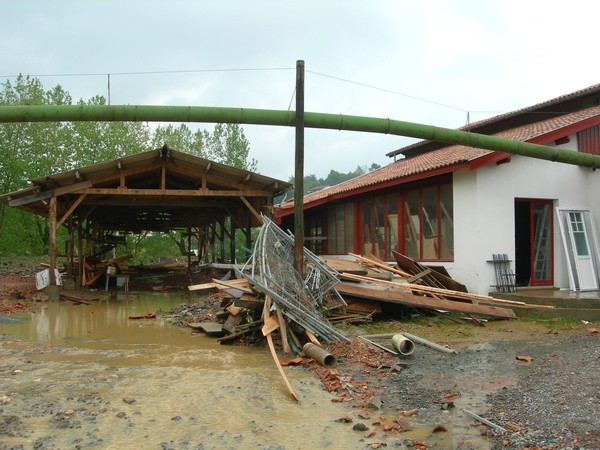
{"points": [[255, 69], [389, 91]]}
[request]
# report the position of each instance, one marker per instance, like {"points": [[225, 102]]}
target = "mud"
{"points": [[88, 377]]}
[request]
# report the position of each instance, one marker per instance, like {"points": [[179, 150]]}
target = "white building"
{"points": [[456, 206]]}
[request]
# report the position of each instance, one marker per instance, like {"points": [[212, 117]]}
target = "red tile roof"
{"points": [[450, 158]]}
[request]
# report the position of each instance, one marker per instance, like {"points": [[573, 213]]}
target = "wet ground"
{"points": [[87, 376]]}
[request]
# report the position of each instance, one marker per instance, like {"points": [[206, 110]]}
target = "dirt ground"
{"points": [[538, 381]]}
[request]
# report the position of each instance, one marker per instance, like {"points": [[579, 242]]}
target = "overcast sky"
{"points": [[437, 62]]}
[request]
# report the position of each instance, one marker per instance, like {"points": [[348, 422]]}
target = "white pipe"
{"points": [[403, 344], [430, 344]]}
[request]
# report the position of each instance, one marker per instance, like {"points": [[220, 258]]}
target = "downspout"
{"points": [[209, 114]]}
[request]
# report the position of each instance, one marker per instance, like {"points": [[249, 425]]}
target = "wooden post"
{"points": [[189, 249], [70, 245], [299, 172], [80, 258], [52, 237]]}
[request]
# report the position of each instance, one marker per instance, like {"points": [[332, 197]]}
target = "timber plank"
{"points": [[345, 266], [433, 278], [391, 295], [203, 287]]}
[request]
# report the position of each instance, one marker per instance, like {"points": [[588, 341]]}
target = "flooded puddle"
{"points": [[87, 376]]}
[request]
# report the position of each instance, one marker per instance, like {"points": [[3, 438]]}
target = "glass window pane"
{"points": [[412, 227], [579, 234], [331, 243], [349, 228], [339, 229], [430, 224], [378, 227], [367, 230], [446, 222], [391, 239]]}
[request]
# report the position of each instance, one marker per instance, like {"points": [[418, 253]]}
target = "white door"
{"points": [[580, 244]]}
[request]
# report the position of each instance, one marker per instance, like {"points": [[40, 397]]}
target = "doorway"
{"points": [[534, 247]]}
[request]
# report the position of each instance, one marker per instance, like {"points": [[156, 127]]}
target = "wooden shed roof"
{"points": [[157, 190]]}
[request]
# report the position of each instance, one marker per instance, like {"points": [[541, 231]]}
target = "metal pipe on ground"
{"points": [[320, 355]]}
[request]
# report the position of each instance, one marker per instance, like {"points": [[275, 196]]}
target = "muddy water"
{"points": [[86, 376]]}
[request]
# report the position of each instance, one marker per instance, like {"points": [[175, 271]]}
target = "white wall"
{"points": [[484, 212]]}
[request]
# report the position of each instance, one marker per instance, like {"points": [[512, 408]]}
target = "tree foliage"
{"points": [[34, 150], [312, 183]]}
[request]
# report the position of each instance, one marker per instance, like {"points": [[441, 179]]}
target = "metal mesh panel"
{"points": [[271, 269]]}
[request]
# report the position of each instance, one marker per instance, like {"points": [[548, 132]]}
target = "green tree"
{"points": [[226, 144], [28, 151], [33, 150], [312, 183]]}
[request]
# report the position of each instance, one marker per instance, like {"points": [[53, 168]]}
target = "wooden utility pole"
{"points": [[299, 172]]}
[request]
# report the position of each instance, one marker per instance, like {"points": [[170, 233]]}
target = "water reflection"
{"points": [[232, 396]]}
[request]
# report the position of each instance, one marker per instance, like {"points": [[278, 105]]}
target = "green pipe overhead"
{"points": [[209, 114]]}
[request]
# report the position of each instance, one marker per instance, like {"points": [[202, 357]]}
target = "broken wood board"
{"points": [[345, 265], [234, 310], [361, 305], [219, 284], [269, 337], [231, 323], [74, 299], [210, 328], [203, 287], [431, 277], [271, 324], [249, 301], [399, 296], [448, 294], [240, 285], [380, 265]]}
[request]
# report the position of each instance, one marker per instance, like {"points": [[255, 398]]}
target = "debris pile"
{"points": [[418, 287], [269, 295]]}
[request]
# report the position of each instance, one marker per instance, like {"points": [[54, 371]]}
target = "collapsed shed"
{"points": [[156, 191]]}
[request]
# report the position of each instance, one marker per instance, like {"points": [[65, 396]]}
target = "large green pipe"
{"points": [[51, 113]]}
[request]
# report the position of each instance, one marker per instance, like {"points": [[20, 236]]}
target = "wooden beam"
{"points": [[380, 265], [70, 210], [473, 298], [45, 195], [417, 301], [174, 192], [266, 313], [251, 208]]}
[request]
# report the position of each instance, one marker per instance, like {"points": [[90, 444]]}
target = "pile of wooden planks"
{"points": [[416, 286], [248, 313]]}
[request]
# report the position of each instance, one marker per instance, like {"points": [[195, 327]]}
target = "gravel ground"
{"points": [[555, 405], [549, 402]]}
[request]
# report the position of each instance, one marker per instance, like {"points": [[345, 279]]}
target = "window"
{"points": [[380, 226], [313, 239], [340, 229], [428, 223]]}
